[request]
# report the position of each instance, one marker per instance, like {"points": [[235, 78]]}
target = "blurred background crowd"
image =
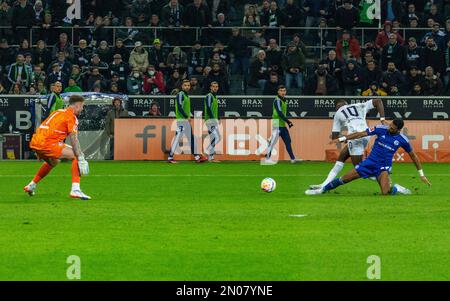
{"points": [[147, 47]]}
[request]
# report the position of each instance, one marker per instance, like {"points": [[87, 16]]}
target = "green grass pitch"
{"points": [[157, 221]]}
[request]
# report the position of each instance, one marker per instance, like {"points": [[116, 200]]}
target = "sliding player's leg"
{"points": [[347, 178], [75, 192], [387, 187], [385, 183], [338, 166], [284, 133]]}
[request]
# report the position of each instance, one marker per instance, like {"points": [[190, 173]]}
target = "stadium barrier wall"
{"points": [[246, 139]]}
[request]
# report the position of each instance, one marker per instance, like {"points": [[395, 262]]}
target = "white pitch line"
{"points": [[201, 175], [298, 215]]}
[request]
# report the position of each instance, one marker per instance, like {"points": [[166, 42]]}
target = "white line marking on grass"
{"points": [[202, 175], [298, 215]]}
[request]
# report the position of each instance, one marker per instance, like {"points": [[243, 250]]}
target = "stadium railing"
{"points": [[283, 34]]}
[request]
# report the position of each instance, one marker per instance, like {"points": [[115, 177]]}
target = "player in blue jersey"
{"points": [[379, 163]]}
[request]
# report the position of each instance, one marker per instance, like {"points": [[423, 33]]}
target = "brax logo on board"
{"points": [[397, 103], [324, 103], [433, 103], [142, 102], [252, 103], [4, 102]]}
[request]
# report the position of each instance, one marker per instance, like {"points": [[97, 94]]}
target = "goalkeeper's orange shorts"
{"points": [[52, 151]]}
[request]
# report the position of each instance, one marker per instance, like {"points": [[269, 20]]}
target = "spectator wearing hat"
{"points": [[154, 82], [139, 57], [119, 48], [177, 59], [117, 111], [104, 52], [135, 81], [158, 55], [413, 54], [348, 47], [56, 75], [118, 66], [437, 35], [347, 16], [374, 90], [294, 66], [383, 35], [197, 59], [393, 52]]}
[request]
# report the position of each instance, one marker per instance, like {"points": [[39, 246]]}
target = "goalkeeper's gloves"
{"points": [[83, 165]]}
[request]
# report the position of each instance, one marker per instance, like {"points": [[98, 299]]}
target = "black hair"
{"points": [[281, 87], [398, 123]]}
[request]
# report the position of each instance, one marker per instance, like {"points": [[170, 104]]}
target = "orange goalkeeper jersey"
{"points": [[54, 129]]}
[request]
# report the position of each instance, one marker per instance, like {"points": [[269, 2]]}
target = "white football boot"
{"points": [[30, 189], [314, 191], [402, 190], [78, 194]]}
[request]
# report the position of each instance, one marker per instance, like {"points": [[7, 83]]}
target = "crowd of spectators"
{"points": [[158, 44]]}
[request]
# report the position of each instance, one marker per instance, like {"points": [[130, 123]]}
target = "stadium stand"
{"points": [[146, 47]]}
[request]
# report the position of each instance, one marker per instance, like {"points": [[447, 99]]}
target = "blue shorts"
{"points": [[369, 168]]}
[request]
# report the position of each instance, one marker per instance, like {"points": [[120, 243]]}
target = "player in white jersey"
{"points": [[352, 117]]}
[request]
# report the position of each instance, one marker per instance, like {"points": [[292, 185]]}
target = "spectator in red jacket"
{"points": [[154, 82], [383, 36], [348, 47]]}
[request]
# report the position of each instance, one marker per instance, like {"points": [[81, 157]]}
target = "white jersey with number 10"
{"points": [[353, 117]]}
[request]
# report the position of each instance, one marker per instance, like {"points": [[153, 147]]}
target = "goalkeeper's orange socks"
{"points": [[75, 171], [42, 172]]}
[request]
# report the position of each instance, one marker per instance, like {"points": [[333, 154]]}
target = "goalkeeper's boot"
{"points": [[402, 190], [268, 161], [30, 189], [78, 194], [314, 191]]}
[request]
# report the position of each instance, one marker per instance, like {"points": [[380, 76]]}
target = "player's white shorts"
{"points": [[356, 147]]}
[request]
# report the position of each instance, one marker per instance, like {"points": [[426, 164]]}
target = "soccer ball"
{"points": [[268, 185]]}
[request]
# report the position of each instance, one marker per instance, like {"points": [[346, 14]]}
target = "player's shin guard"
{"points": [[338, 166], [75, 172], [333, 184], [42, 172]]}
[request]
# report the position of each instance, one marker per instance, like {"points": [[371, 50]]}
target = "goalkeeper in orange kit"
{"points": [[48, 143]]}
